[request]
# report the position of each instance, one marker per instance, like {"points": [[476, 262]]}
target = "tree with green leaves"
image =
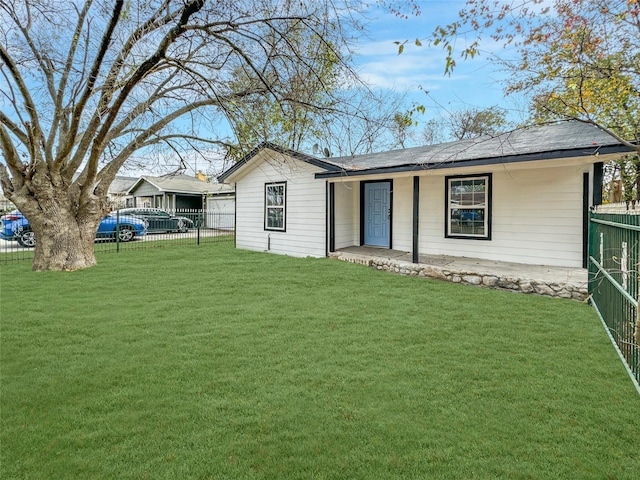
{"points": [[293, 119], [577, 59], [85, 84], [402, 123], [332, 111]]}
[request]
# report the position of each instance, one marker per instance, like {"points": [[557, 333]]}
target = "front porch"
{"points": [[562, 282]]}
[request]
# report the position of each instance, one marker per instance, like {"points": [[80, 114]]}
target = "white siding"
{"points": [[224, 205], [220, 212], [305, 207], [536, 214], [536, 211], [347, 217], [402, 230], [145, 189], [347, 214], [536, 218]]}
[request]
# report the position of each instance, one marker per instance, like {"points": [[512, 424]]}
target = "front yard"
{"points": [[207, 362]]}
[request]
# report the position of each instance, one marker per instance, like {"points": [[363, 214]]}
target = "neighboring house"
{"points": [[177, 192], [5, 204], [189, 196], [520, 197], [118, 195]]}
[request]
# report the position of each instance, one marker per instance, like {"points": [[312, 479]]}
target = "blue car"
{"points": [[14, 226]]}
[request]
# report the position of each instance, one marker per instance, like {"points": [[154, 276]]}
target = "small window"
{"points": [[468, 207], [275, 206]]}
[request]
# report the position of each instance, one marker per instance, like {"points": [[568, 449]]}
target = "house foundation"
{"points": [[569, 283]]}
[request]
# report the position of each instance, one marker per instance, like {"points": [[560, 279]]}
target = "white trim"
{"points": [[475, 206], [282, 206]]}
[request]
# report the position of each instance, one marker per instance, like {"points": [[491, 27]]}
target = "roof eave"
{"points": [[238, 166], [529, 157], [144, 179]]}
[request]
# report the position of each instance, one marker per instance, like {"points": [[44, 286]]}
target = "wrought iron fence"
{"points": [[614, 267], [180, 227]]}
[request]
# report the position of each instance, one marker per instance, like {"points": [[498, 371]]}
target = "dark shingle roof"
{"points": [[547, 142], [182, 184], [122, 184], [533, 143]]}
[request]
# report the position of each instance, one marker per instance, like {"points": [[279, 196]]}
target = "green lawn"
{"points": [[207, 362]]}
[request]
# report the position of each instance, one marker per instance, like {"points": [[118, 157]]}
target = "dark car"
{"points": [[15, 226], [160, 221]]}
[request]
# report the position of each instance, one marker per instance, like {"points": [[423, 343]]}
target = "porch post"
{"points": [[598, 172], [416, 203], [585, 220], [332, 217]]}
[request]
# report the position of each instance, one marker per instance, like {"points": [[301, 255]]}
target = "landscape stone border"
{"points": [[568, 290]]}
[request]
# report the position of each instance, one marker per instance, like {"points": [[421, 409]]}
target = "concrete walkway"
{"points": [[552, 281]]}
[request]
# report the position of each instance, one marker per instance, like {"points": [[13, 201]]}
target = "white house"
{"points": [[520, 197]]}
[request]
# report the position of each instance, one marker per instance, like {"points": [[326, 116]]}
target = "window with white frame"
{"points": [[468, 207], [275, 206]]}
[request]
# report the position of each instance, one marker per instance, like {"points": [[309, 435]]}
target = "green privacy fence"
{"points": [[614, 256]]}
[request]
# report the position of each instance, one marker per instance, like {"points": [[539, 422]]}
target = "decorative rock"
{"points": [[552, 289], [434, 272], [508, 283], [490, 281], [578, 295], [472, 279], [545, 290], [526, 287], [564, 293]]}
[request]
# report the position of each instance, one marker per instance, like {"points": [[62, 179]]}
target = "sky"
{"points": [[473, 84]]}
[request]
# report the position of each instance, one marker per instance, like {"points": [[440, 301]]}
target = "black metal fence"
{"points": [[180, 227], [614, 267]]}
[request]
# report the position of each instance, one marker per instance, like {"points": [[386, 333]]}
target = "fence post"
{"points": [[199, 223], [118, 230], [636, 334]]}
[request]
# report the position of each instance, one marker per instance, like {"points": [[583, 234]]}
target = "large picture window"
{"points": [[468, 207], [275, 206]]}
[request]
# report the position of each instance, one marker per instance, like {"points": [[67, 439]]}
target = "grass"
{"points": [[214, 363]]}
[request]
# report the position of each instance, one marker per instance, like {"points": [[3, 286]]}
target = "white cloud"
{"points": [[379, 64]]}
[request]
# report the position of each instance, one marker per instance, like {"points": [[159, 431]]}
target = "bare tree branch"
{"points": [[93, 75]]}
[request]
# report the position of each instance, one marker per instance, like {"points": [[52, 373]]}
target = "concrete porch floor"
{"points": [[573, 279]]}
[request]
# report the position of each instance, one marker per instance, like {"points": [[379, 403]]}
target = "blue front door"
{"points": [[377, 214]]}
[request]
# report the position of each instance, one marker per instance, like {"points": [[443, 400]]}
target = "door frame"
{"points": [[363, 209]]}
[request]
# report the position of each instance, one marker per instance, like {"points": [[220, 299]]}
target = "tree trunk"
{"points": [[63, 254], [63, 242], [63, 215]]}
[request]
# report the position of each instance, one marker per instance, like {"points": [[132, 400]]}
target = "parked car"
{"points": [[14, 226], [466, 216], [159, 220]]}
